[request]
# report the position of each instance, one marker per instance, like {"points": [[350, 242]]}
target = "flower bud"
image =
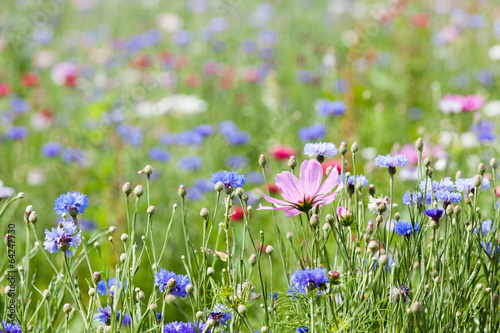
{"points": [[204, 212], [219, 186], [242, 310], [141, 295], [314, 221], [495, 299], [252, 260], [354, 147], [397, 216], [493, 163], [151, 210], [292, 162], [170, 299], [269, 249], [112, 229], [379, 219], [123, 257], [97, 244], [477, 180], [419, 145], [416, 265], [481, 169], [326, 227], [127, 188], [458, 175], [430, 172], [239, 192], [449, 210], [383, 260], [124, 237], [487, 290], [416, 308], [171, 283], [21, 195], [138, 191], [96, 277], [67, 308], [373, 246], [328, 170], [371, 190], [153, 307], [289, 235], [182, 191], [479, 287], [434, 224], [148, 170], [210, 271], [343, 148], [369, 227], [189, 289], [92, 292], [33, 218], [27, 213], [427, 162], [262, 161], [199, 315]]}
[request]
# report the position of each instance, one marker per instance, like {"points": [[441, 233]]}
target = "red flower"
{"points": [[30, 80], [337, 164], [282, 152], [237, 213], [141, 62], [5, 89], [420, 20], [70, 80], [193, 80]]}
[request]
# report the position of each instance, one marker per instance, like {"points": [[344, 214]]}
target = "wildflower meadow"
{"points": [[209, 166]]}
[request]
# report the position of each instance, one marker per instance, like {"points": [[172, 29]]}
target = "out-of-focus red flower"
{"points": [[141, 62], [227, 77], [181, 62], [282, 152], [272, 188], [193, 80], [251, 75], [420, 20], [5, 89], [70, 80], [237, 213], [30, 80], [334, 163]]}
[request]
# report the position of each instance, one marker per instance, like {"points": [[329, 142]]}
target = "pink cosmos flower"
{"points": [[305, 193]]}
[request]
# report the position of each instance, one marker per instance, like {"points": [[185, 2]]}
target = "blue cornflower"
{"points": [[403, 228], [416, 197], [485, 130], [226, 127], [220, 314], [488, 247], [130, 134], [11, 328], [307, 279], [62, 238], [70, 155], [182, 281], [390, 262], [203, 184], [71, 200], [103, 287], [19, 105], [190, 163], [237, 138], [434, 213], [159, 154], [445, 184], [448, 197], [168, 139], [325, 149], [311, 133], [189, 138], [255, 177], [389, 161], [17, 132], [485, 227], [182, 38], [51, 149], [330, 108], [467, 184], [359, 178], [204, 130], [103, 315], [236, 161], [182, 327], [303, 329], [229, 179]]}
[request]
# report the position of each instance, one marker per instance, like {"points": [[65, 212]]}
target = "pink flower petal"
{"points": [[330, 182], [277, 202], [311, 175], [290, 187]]}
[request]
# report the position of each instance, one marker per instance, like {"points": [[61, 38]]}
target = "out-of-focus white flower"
{"points": [[369, 153], [181, 104], [494, 52], [447, 138], [450, 106], [469, 140], [41, 121], [36, 177], [374, 203], [5, 191], [492, 109], [169, 22], [43, 59]]}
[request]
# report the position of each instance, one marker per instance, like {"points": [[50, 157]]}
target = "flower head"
{"points": [[181, 282], [485, 227], [448, 197], [434, 213], [324, 149], [305, 193], [220, 314], [403, 228], [103, 315], [182, 327], [359, 178], [229, 179], [103, 287], [62, 238], [11, 328], [71, 201], [467, 184], [401, 294], [330, 108], [389, 161], [309, 279], [314, 132]]}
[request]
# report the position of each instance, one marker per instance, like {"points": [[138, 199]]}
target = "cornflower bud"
{"points": [[139, 191], [127, 188], [262, 161], [419, 145]]}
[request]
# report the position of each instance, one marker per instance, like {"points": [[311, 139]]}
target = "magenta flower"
{"points": [[305, 193]]}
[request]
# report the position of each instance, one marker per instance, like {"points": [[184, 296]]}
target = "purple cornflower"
{"points": [[403, 228], [320, 149], [412, 198], [189, 138], [236, 161], [359, 178], [62, 238], [130, 134], [434, 213], [448, 197], [204, 130], [19, 105], [330, 108], [103, 315], [182, 281], [182, 327], [51, 149], [309, 279], [103, 287], [226, 127], [467, 184], [389, 161], [237, 138], [168, 139], [11, 328], [303, 329], [70, 155], [445, 184], [159, 154], [17, 133], [311, 133], [485, 227], [229, 179], [485, 130], [220, 314], [71, 201], [190, 163]]}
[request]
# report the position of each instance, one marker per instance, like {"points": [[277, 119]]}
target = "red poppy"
{"points": [[282, 152]]}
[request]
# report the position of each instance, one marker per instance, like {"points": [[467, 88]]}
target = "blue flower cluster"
{"points": [[326, 149], [232, 134], [220, 314], [62, 238], [389, 161], [103, 316], [71, 200], [485, 227], [183, 327], [330, 108], [434, 213], [229, 179], [403, 228], [311, 133], [103, 287], [199, 188], [308, 279], [182, 281], [11, 328], [467, 184], [359, 178], [415, 198], [159, 154]]}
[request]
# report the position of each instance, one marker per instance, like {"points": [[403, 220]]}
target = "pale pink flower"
{"points": [[305, 193], [342, 212]]}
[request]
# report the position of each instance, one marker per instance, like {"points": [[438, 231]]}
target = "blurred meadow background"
{"points": [[92, 91]]}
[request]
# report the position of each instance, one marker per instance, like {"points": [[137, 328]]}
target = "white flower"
{"points": [[450, 106], [492, 109], [494, 52], [469, 140], [169, 22], [182, 104], [374, 203], [5, 191]]}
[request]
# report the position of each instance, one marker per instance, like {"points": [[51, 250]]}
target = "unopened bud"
{"points": [[242, 310], [182, 191], [416, 308], [96, 277], [199, 315], [151, 210], [328, 170], [314, 221], [481, 169], [67, 308], [33, 218], [170, 299], [189, 288], [204, 212], [252, 260], [343, 148], [493, 163], [171, 283], [239, 191], [123, 257], [477, 180], [354, 147], [419, 145], [127, 188], [269, 249], [92, 292], [289, 235], [210, 271], [427, 162], [458, 175], [124, 237], [148, 170], [292, 162], [373, 246], [371, 190], [138, 191], [262, 161]]}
